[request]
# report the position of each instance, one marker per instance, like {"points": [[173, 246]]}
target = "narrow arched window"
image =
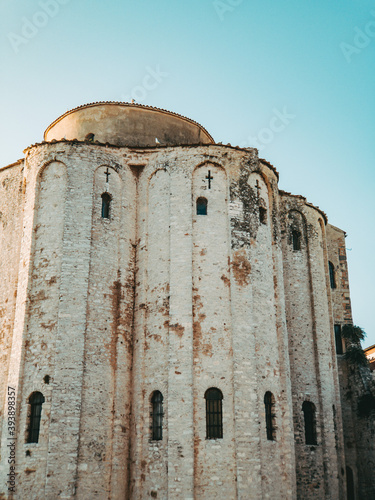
{"points": [[269, 406], [308, 409], [338, 339], [157, 416], [35, 401], [201, 206], [296, 240], [214, 413], [106, 205], [332, 279], [262, 215]]}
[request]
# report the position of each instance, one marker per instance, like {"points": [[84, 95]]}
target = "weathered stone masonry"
{"points": [[99, 312]]}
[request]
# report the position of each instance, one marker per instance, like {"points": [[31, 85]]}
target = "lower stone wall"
{"points": [[357, 386], [11, 197], [160, 298]]}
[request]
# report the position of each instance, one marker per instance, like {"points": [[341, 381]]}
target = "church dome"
{"points": [[125, 124]]}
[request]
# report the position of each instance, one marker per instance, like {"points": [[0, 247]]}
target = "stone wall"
{"points": [[356, 382], [156, 297], [311, 347], [11, 205]]}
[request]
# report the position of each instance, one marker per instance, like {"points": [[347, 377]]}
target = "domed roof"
{"points": [[127, 124]]}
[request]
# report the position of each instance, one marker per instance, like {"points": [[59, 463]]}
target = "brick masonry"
{"points": [[157, 297]]}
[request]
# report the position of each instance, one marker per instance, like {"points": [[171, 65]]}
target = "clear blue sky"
{"points": [[231, 65]]}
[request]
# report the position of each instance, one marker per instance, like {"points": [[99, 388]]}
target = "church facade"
{"points": [[170, 321]]}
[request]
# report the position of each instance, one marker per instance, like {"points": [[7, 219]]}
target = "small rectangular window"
{"points": [[309, 414], [157, 416], [269, 403], [35, 403], [106, 204], [214, 414], [201, 206], [332, 277]]}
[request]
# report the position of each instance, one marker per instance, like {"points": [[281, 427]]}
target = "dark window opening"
{"points": [[269, 404], [296, 240], [46, 379], [214, 414], [36, 400], [106, 204], [201, 206], [157, 416], [334, 420], [262, 215], [350, 483], [90, 137], [338, 340], [332, 279], [308, 409]]}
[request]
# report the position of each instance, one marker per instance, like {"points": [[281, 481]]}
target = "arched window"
{"points": [[35, 401], [296, 240], [308, 409], [214, 413], [90, 137], [269, 405], [201, 206], [106, 204], [338, 339], [262, 215], [157, 416], [350, 484], [332, 279]]}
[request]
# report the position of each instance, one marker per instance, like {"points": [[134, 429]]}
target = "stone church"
{"points": [[171, 322]]}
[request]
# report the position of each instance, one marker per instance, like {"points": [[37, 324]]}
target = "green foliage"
{"points": [[356, 356], [354, 334]]}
